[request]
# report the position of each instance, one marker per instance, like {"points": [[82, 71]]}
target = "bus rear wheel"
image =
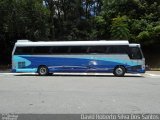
{"points": [[119, 71], [43, 71]]}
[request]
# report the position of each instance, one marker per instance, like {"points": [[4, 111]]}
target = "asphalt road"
{"points": [[27, 93]]}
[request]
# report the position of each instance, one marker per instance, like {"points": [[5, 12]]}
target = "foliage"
{"points": [[136, 20], [119, 29]]}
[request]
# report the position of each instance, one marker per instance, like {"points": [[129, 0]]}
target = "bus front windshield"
{"points": [[136, 53]]}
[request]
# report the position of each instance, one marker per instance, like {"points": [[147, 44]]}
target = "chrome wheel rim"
{"points": [[119, 71], [43, 71]]}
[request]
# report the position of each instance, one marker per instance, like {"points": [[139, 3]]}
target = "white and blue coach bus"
{"points": [[44, 58]]}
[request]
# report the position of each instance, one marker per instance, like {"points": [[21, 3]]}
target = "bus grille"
{"points": [[21, 64]]}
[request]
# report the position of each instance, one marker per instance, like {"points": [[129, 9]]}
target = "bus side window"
{"points": [[60, 50], [97, 49], [78, 49], [107, 49], [41, 50], [117, 49], [110, 50], [23, 51]]}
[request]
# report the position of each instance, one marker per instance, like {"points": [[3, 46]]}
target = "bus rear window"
{"points": [[23, 51]]}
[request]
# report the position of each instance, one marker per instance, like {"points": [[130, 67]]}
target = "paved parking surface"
{"points": [[29, 93]]}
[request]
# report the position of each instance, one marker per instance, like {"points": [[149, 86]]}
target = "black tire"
{"points": [[119, 71], [50, 74], [43, 70]]}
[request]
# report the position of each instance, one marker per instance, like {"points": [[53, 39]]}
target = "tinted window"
{"points": [[59, 50], [72, 50], [32, 50], [78, 49], [23, 51], [117, 49], [97, 49], [41, 50], [135, 53]]}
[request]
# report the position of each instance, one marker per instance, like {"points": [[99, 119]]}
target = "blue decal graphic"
{"points": [[72, 64]]}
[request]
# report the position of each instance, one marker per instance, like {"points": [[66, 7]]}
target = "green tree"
{"points": [[119, 29], [21, 19]]}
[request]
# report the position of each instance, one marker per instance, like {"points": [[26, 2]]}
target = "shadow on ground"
{"points": [[55, 75]]}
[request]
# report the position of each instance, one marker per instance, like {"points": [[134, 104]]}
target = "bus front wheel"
{"points": [[119, 71], [43, 70]]}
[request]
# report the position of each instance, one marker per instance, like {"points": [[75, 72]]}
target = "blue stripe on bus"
{"points": [[64, 64]]}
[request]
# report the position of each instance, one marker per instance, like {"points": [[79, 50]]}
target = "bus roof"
{"points": [[134, 45], [24, 43]]}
